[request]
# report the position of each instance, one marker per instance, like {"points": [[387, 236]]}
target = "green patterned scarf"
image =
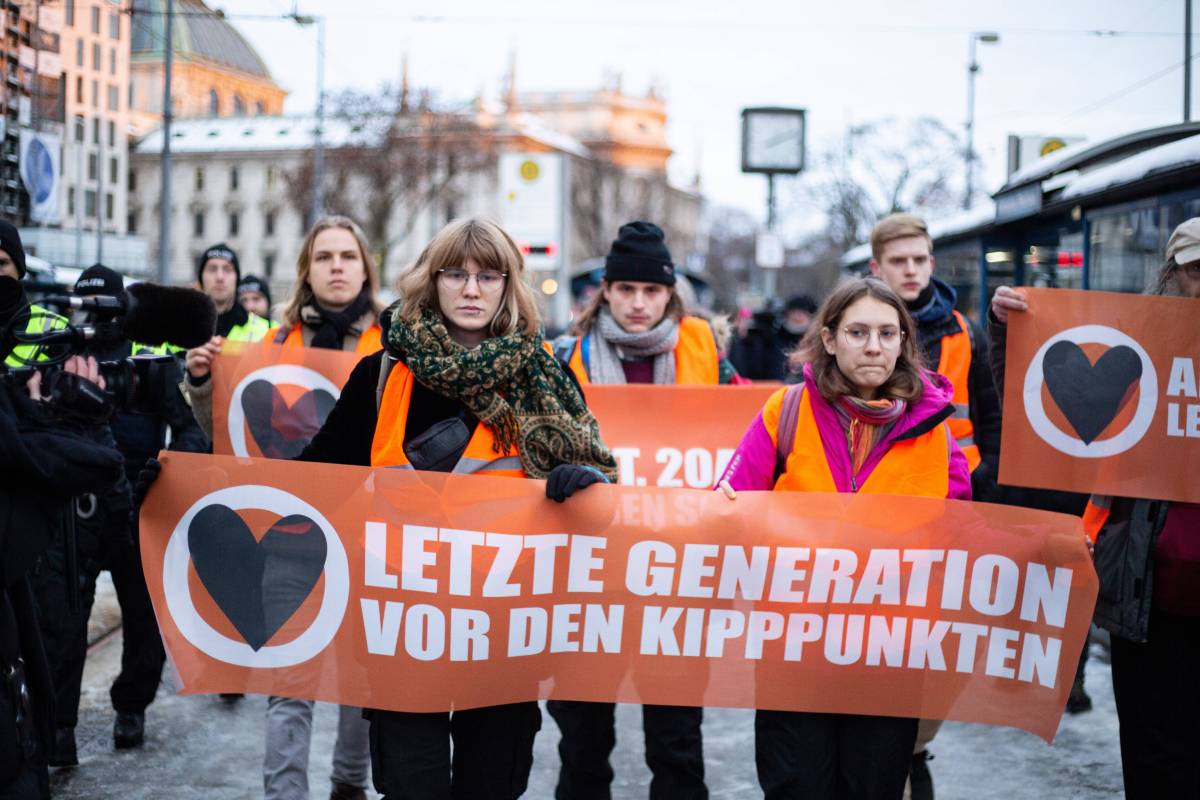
{"points": [[512, 385]]}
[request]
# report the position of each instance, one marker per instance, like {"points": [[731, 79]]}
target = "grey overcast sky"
{"points": [[844, 60]]}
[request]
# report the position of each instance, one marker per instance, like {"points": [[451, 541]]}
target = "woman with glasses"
{"points": [[465, 384], [867, 418], [1147, 555]]}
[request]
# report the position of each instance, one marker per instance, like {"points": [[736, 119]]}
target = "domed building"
{"points": [[215, 71]]}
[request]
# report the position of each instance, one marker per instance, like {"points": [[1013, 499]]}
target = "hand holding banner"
{"points": [[1101, 395], [419, 591]]}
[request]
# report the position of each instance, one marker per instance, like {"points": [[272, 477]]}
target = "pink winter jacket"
{"points": [[752, 467]]}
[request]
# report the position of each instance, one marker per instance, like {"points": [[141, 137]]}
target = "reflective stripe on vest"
{"points": [[696, 358], [252, 330], [919, 466], [387, 447], [368, 342], [955, 364], [41, 320]]}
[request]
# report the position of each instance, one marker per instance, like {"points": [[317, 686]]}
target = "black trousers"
{"points": [[674, 750], [832, 756], [142, 654], [1158, 705], [493, 753]]}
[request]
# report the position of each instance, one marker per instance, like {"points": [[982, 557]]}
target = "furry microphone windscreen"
{"points": [[162, 314]]}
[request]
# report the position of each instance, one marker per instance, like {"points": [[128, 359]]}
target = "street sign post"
{"points": [[773, 139]]}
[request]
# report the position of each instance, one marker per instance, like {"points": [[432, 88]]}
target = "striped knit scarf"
{"points": [[866, 422]]}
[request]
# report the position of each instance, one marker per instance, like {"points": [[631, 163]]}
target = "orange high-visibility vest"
{"points": [[1096, 515], [387, 448], [955, 364], [919, 466], [368, 342], [696, 358]]}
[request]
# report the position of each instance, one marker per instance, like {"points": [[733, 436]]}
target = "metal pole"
{"points": [[164, 212], [318, 147], [972, 68], [80, 133], [769, 274], [562, 297], [1187, 60], [99, 192]]}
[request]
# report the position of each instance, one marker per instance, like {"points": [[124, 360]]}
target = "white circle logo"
{"points": [[1070, 443], [278, 374], [221, 647]]}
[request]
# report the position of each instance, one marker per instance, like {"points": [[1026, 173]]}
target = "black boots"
{"points": [[129, 729], [346, 791], [63, 753], [919, 779]]}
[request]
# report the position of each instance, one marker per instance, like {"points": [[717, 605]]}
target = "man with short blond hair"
{"points": [[902, 256]]}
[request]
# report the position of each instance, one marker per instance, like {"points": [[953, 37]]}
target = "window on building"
{"points": [[259, 108], [235, 223], [239, 106], [89, 203], [95, 94], [131, 222], [114, 171], [133, 180], [112, 61], [96, 20], [198, 224], [1125, 249], [234, 178], [109, 205], [79, 90], [199, 179], [270, 178], [80, 128], [214, 103], [114, 25], [268, 265], [70, 9], [95, 130], [71, 202], [91, 173], [131, 94], [269, 223], [79, 52], [112, 133], [96, 56], [114, 98]]}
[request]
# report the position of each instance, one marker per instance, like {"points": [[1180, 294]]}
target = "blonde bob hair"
{"points": [[488, 245], [302, 293]]}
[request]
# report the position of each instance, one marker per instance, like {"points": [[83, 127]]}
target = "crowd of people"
{"points": [[888, 389]]}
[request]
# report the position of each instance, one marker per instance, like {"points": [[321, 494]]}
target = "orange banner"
{"points": [[419, 591], [1101, 396], [270, 400]]}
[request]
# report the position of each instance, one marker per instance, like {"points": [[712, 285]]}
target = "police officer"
{"points": [[33, 320], [217, 275]]}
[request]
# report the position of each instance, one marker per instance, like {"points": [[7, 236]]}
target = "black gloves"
{"points": [[145, 477], [566, 479]]}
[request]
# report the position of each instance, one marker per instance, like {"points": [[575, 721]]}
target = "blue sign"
{"points": [[39, 170]]}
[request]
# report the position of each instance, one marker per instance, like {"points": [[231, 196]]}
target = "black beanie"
{"points": [[98, 279], [221, 250], [10, 242], [253, 283], [639, 253]]}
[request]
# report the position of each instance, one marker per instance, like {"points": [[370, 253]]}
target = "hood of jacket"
{"points": [[939, 306]]}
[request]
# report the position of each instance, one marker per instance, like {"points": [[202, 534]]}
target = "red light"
{"points": [[1077, 259], [1064, 258], [552, 249]]}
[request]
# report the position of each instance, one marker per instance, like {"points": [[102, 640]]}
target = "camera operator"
{"points": [[139, 437], [44, 464]]}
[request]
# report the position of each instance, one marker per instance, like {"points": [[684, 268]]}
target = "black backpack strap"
{"points": [[564, 347], [785, 432], [282, 334]]}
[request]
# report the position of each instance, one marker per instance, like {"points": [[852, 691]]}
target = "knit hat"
{"points": [[639, 253], [1184, 244], [98, 279], [221, 250], [801, 302], [10, 242], [253, 283]]}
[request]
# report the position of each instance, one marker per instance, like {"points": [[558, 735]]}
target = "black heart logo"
{"points": [[280, 430], [1090, 396], [258, 585]]}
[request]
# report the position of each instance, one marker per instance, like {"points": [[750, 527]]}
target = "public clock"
{"points": [[773, 140]]}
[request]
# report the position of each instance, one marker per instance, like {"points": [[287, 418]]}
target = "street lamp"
{"points": [[987, 37], [305, 20]]}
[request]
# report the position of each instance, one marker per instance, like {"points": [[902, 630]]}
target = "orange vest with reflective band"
{"points": [[368, 342], [955, 364], [387, 448], [1096, 514], [696, 357], [919, 466]]}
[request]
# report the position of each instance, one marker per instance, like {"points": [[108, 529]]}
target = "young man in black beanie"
{"points": [[636, 331], [255, 296], [217, 275]]}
